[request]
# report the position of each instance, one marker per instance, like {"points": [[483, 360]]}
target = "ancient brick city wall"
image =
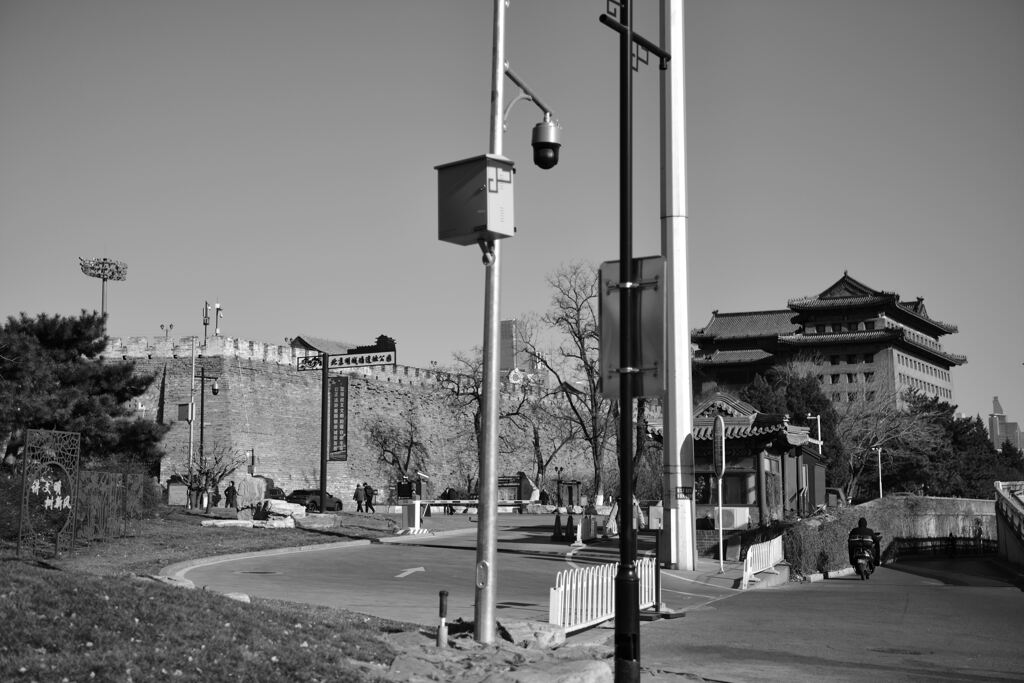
{"points": [[265, 405]]}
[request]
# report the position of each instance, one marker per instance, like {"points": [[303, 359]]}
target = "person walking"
{"points": [[231, 496], [368, 493], [447, 495], [359, 496]]}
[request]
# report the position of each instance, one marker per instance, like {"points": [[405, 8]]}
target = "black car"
{"points": [[310, 498], [274, 492]]}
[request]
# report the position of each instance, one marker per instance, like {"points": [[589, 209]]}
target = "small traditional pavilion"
{"points": [[772, 468]]}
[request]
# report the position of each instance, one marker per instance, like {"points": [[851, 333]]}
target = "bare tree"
{"points": [[872, 420], [462, 385], [572, 358], [214, 462], [399, 445], [540, 417]]}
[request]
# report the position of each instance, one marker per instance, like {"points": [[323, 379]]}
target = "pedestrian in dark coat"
{"points": [[231, 496], [368, 493], [359, 496]]}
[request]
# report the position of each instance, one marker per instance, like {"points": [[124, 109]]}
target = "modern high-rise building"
{"points": [[864, 342], [1000, 430]]}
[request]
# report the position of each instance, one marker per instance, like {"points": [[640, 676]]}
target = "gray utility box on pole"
{"points": [[474, 200]]}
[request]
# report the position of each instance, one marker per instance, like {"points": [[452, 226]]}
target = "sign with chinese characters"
{"points": [[49, 481], [347, 360], [337, 426]]}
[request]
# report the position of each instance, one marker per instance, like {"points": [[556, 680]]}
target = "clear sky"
{"points": [[278, 157]]}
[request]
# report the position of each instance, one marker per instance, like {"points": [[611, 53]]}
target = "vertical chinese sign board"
{"points": [[337, 448], [49, 491]]}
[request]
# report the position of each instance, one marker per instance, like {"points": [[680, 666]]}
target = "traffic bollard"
{"points": [[442, 628]]}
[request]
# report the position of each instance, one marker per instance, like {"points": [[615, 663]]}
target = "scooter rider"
{"points": [[862, 535]]}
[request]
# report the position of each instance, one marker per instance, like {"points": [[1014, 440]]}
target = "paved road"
{"points": [[898, 626], [402, 580], [936, 620]]}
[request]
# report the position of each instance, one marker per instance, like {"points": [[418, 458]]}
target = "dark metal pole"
{"points": [[324, 418], [627, 582], [202, 409], [202, 422]]}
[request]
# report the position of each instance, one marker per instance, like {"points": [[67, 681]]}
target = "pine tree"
{"points": [[52, 377]]}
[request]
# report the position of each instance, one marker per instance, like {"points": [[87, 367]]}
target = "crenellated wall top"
{"points": [[178, 347], [126, 348]]}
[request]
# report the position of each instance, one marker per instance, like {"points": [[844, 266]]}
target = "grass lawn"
{"points": [[93, 616]]}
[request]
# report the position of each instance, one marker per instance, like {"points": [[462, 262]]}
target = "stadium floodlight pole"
{"points": [[104, 269]]}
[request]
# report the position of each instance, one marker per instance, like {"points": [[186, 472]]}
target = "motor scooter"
{"points": [[862, 554]]}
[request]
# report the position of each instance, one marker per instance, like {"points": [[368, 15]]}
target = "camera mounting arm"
{"points": [[524, 94]]}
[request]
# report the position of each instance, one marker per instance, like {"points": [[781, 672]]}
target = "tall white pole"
{"points": [[486, 531], [680, 549], [879, 451]]}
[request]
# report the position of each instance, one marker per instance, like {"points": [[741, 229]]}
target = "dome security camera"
{"points": [[545, 143]]}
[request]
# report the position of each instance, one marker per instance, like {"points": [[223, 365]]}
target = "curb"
{"points": [[428, 533], [176, 570], [815, 578]]}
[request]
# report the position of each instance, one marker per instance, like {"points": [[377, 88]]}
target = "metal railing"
{"points": [[762, 557], [1010, 507], [585, 596], [1010, 501]]}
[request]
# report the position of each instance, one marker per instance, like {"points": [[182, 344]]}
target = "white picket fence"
{"points": [[585, 596], [762, 557]]}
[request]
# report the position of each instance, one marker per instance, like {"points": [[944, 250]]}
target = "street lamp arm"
{"points": [[662, 55]]}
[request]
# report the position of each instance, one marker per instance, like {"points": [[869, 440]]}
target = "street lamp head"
{"points": [[215, 389], [546, 142]]}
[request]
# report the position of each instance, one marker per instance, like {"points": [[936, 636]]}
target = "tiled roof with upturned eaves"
{"points": [[733, 356], [321, 345], [856, 337], [748, 324], [848, 292]]}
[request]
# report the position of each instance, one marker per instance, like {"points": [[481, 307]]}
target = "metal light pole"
{"points": [[104, 269], [627, 581], [817, 419], [469, 215], [206, 320], [486, 551], [558, 487], [202, 407], [191, 420]]}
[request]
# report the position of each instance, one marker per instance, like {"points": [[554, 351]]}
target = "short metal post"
{"points": [[442, 628]]}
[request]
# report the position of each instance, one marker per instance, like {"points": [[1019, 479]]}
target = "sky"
{"points": [[278, 158]]}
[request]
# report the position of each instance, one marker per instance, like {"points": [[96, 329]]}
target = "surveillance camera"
{"points": [[546, 143]]}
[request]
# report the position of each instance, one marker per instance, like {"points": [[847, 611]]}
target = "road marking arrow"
{"points": [[409, 571]]}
